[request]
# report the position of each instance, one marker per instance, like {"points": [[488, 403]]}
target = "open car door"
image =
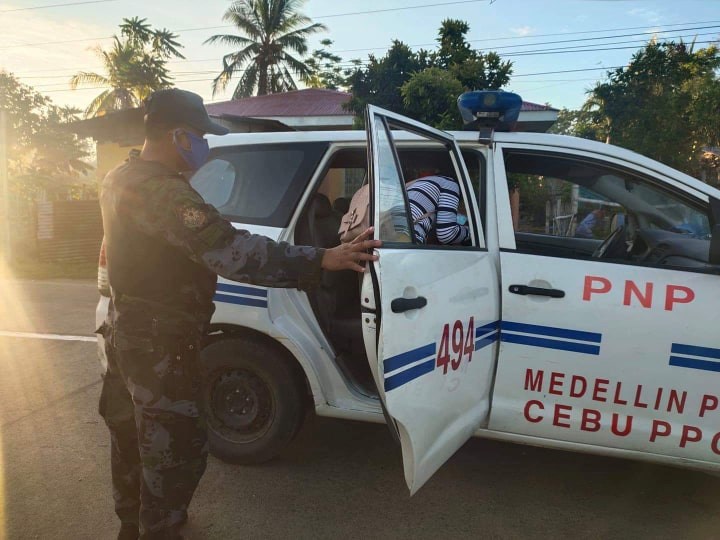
{"points": [[435, 307]]}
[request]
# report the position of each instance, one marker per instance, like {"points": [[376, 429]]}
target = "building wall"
{"points": [[110, 155]]}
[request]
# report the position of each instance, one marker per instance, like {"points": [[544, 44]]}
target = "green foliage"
{"points": [[431, 94], [269, 32], [664, 104], [454, 49], [395, 81], [325, 69], [42, 154], [379, 83], [586, 123], [134, 67]]}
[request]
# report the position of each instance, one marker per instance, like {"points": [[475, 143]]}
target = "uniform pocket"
{"points": [[129, 339]]}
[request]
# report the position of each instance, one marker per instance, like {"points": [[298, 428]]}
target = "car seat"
{"points": [[336, 301]]}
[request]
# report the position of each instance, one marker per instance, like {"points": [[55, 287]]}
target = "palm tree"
{"points": [[134, 67], [270, 30]]}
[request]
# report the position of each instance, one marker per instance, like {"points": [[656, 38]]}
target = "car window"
{"points": [[432, 205], [344, 175], [258, 184], [346, 171], [394, 225], [570, 207]]}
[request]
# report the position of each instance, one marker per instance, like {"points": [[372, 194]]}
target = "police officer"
{"points": [[165, 248]]}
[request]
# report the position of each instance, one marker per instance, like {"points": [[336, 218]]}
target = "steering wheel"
{"points": [[611, 244]]}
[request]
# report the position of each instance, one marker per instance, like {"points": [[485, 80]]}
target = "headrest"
{"points": [[322, 206]]}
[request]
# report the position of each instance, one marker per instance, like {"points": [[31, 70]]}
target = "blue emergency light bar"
{"points": [[494, 109]]}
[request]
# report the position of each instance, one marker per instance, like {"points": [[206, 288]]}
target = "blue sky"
{"points": [[45, 46]]}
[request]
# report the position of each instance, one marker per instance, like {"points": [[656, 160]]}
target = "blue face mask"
{"points": [[198, 153], [462, 220]]}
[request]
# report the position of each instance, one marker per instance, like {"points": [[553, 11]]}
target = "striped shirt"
{"points": [[439, 197]]}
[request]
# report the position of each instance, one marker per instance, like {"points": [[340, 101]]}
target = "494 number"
{"points": [[461, 339]]}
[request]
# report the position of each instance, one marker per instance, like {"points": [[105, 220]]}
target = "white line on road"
{"points": [[58, 337]]}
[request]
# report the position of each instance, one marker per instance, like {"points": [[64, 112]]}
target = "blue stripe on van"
{"points": [[241, 300], [242, 289]]}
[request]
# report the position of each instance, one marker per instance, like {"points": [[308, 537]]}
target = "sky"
{"points": [[560, 48]]}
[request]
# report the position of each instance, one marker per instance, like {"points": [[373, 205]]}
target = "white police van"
{"points": [[533, 333]]}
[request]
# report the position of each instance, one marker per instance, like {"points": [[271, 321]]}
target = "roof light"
{"points": [[495, 109]]}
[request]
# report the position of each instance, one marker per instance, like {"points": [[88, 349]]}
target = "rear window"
{"points": [[258, 184]]}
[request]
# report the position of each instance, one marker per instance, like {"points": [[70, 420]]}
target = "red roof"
{"points": [[308, 102], [527, 106]]}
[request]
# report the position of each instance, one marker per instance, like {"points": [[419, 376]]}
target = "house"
{"points": [[320, 109], [310, 109]]}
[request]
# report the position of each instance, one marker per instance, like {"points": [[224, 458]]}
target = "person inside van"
{"points": [[434, 202], [587, 226]]}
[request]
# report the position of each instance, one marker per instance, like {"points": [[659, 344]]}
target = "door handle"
{"points": [[400, 305], [536, 291]]}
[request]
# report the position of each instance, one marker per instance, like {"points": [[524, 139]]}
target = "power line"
{"points": [[551, 42], [352, 14], [352, 63], [420, 6], [514, 75], [57, 5], [569, 50], [566, 71], [386, 10]]}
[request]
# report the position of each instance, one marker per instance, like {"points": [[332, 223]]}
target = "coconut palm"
{"points": [[134, 67], [269, 32]]}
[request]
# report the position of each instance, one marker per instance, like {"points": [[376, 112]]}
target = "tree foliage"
{"points": [[396, 81], [431, 95], [379, 82], [664, 104], [134, 66], [270, 31], [42, 155], [326, 70]]}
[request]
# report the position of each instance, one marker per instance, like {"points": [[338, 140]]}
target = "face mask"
{"points": [[462, 220], [198, 153]]}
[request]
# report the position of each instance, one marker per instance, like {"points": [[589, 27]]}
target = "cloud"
{"points": [[522, 31]]}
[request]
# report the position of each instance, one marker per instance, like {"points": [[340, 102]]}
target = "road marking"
{"points": [[57, 337]]}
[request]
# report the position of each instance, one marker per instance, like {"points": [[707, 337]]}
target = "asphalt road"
{"points": [[338, 479]]}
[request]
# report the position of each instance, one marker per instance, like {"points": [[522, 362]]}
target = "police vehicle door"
{"points": [[606, 333], [437, 310]]}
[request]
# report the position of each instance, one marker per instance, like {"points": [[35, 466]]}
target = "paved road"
{"points": [[337, 480]]}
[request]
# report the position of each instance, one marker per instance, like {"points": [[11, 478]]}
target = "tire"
{"points": [[254, 399]]}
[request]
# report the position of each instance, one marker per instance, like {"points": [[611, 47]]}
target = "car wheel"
{"points": [[253, 398]]}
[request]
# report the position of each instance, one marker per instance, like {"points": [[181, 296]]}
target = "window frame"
{"points": [[391, 123], [294, 195]]}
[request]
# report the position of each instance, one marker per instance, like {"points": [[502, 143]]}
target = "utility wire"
{"points": [[514, 76], [370, 12], [232, 26], [352, 63], [56, 5]]}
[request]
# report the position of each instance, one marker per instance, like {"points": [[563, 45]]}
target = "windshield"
{"points": [[660, 209]]}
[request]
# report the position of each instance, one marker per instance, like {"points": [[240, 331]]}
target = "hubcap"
{"points": [[242, 405]]}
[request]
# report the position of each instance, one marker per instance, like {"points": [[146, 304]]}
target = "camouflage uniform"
{"points": [[165, 247]]}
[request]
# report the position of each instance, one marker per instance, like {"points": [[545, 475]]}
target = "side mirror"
{"points": [[714, 257]]}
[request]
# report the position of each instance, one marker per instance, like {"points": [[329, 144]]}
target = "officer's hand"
{"points": [[350, 256]]}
